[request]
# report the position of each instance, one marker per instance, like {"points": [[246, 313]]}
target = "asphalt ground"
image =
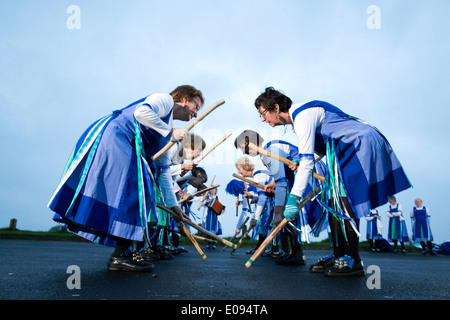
{"points": [[47, 270]]}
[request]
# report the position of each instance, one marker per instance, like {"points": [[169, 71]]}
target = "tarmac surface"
{"points": [[44, 270]]}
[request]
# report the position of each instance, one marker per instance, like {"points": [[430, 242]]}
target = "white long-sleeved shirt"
{"points": [[152, 109], [305, 125]]}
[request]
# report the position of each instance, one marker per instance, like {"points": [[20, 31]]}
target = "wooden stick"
{"points": [[248, 201], [275, 231], [282, 159], [203, 238], [204, 154], [189, 127], [241, 240], [195, 236], [183, 227], [206, 194], [194, 242], [252, 182], [200, 229], [234, 236], [199, 192]]}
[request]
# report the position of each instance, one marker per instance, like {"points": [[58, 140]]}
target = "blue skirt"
{"points": [[106, 192], [368, 167], [397, 230], [372, 230], [211, 222], [421, 230]]}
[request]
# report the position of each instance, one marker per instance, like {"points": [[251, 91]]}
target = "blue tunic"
{"points": [[262, 228], [312, 212], [372, 227], [397, 227], [421, 230], [369, 169], [102, 195], [211, 221]]}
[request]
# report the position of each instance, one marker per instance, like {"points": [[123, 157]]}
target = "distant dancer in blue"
{"points": [[397, 231], [362, 171], [110, 186], [374, 230], [421, 230], [211, 219]]}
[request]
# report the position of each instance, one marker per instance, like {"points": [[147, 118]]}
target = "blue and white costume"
{"points": [[361, 163], [264, 206], [211, 220], [284, 179], [397, 226], [236, 187], [108, 190], [374, 226], [421, 230]]}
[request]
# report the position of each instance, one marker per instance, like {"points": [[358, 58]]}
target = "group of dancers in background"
{"points": [[397, 231], [113, 187]]}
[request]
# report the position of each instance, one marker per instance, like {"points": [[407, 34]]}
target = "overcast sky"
{"points": [[386, 62]]}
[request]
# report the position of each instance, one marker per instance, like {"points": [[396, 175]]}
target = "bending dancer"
{"points": [[262, 216], [283, 182], [362, 172], [108, 191]]}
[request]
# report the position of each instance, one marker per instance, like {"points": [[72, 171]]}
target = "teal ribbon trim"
{"points": [[94, 134], [144, 173]]}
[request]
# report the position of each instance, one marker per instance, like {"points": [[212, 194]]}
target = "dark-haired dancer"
{"points": [[362, 171]]}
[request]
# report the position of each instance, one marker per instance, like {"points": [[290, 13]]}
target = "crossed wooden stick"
{"points": [[189, 127]]}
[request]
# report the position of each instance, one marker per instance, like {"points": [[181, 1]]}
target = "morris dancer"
{"points": [[211, 219], [108, 188], [263, 213], [283, 182], [363, 170], [195, 183], [421, 230], [236, 187], [374, 230], [397, 227]]}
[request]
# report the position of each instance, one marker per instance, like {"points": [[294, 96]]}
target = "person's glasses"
{"points": [[197, 106], [263, 114]]}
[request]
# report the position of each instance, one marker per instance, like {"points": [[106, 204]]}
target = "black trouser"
{"points": [[341, 246]]}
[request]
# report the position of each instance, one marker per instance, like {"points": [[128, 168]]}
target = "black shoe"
{"points": [[163, 254], [279, 255], [346, 267], [172, 250], [292, 260], [324, 263], [130, 262], [182, 249], [149, 255]]}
